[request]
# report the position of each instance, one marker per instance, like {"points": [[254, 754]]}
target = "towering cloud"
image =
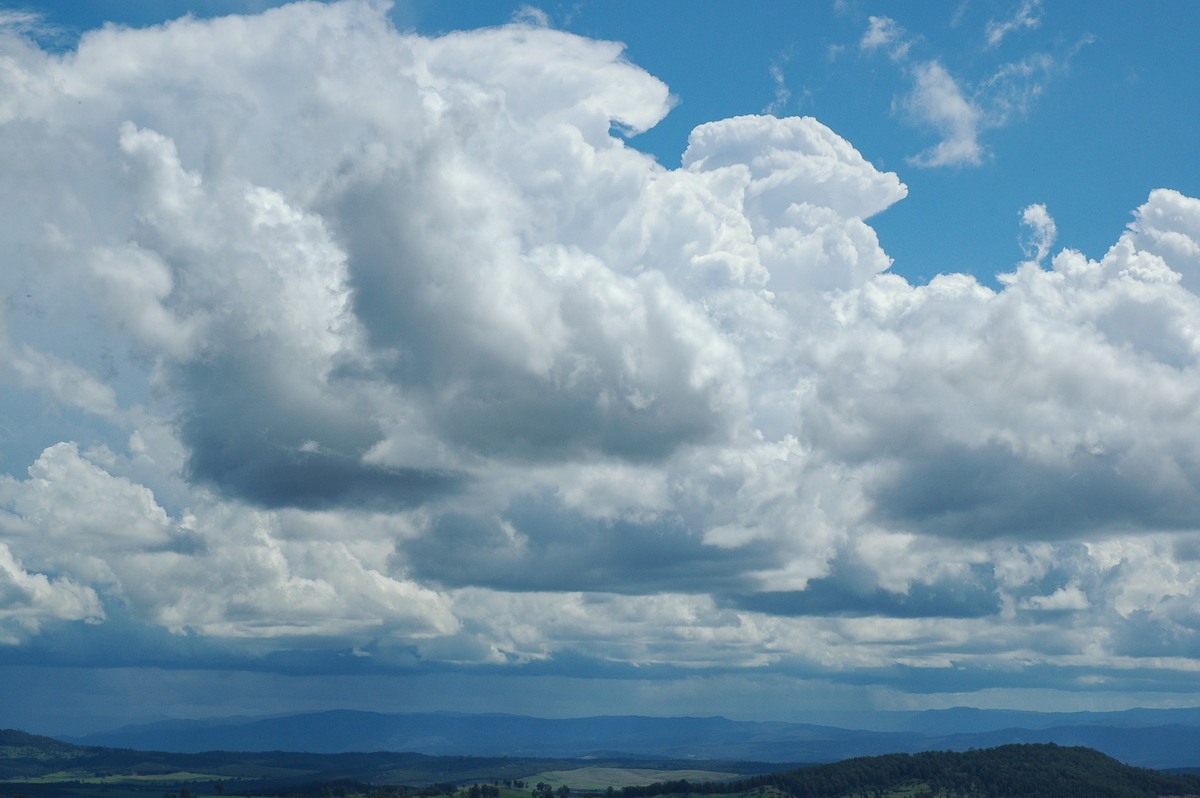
{"points": [[326, 337]]}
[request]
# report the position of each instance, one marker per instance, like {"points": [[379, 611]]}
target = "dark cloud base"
{"points": [[315, 481]]}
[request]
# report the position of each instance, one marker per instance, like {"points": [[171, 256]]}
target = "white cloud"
{"points": [[1027, 15], [1168, 226], [29, 24], [27, 600], [957, 107], [886, 33], [390, 344], [1012, 89], [61, 380], [938, 101], [132, 283], [790, 162], [531, 15], [263, 586], [783, 94], [222, 570], [1042, 232]]}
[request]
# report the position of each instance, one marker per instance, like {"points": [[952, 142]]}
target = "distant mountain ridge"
{"points": [[1157, 738]]}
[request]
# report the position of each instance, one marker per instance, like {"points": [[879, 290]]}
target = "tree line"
{"points": [[1031, 770]]}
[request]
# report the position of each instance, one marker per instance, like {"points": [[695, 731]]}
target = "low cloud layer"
{"points": [[326, 340]]}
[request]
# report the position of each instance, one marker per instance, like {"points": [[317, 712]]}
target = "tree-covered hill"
{"points": [[41, 766], [30, 759], [1010, 771]]}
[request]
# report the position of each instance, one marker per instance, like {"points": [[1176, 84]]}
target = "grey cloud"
{"points": [[384, 343], [1031, 677], [1143, 634], [843, 594], [538, 546], [557, 383], [275, 477], [1067, 440], [251, 435], [989, 491]]}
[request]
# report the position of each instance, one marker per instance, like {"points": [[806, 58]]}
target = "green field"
{"points": [[599, 778], [88, 777]]}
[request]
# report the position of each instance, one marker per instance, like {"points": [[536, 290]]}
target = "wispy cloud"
{"points": [[783, 95], [1027, 15], [18, 20], [957, 17], [1041, 232], [32, 25], [1014, 87], [531, 15], [959, 110], [884, 33], [938, 101]]}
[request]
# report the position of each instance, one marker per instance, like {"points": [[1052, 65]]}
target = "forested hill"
{"points": [[1009, 771], [36, 766]]}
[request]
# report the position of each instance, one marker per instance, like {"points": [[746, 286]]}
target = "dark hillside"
{"points": [[1010, 771], [34, 762]]}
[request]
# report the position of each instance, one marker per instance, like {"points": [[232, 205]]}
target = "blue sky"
{"points": [[359, 356]]}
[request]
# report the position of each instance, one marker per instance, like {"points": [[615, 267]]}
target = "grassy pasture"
{"points": [[88, 777], [599, 778]]}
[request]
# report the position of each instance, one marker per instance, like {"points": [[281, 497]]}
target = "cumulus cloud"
{"points": [[1166, 227], [27, 600], [214, 569], [369, 342]]}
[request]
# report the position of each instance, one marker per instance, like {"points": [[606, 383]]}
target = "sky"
{"points": [[597, 358]]}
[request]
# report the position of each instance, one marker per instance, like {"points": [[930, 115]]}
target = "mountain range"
{"points": [[1156, 738]]}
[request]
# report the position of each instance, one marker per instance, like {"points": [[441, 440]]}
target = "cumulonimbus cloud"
{"points": [[388, 342]]}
